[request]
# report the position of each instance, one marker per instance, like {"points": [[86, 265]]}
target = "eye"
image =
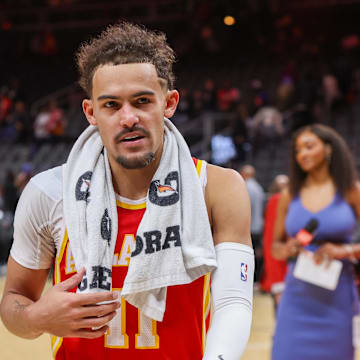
{"points": [[143, 100], [110, 104]]}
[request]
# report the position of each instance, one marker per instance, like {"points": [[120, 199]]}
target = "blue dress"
{"points": [[314, 323]]}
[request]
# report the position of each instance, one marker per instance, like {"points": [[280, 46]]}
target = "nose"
{"points": [[128, 116]]}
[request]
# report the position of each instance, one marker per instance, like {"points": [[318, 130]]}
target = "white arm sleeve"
{"points": [[232, 293]]}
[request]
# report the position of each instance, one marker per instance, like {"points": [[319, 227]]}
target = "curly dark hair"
{"points": [[125, 43], [342, 166]]}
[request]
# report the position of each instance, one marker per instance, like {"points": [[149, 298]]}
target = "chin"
{"points": [[306, 167], [135, 162]]}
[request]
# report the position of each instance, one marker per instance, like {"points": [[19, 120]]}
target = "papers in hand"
{"points": [[325, 275]]}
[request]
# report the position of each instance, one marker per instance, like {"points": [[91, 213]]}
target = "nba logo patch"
{"points": [[243, 271]]}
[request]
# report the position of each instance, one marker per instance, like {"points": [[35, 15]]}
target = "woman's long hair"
{"points": [[341, 165]]}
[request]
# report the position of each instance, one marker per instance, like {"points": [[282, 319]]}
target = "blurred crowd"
{"points": [[261, 115], [255, 87]]}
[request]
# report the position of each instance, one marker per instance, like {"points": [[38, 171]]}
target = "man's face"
{"points": [[128, 105]]}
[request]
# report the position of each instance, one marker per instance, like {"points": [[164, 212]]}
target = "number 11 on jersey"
{"points": [[116, 337]]}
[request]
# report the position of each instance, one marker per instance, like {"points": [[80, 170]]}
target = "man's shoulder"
{"points": [[49, 182], [223, 179]]}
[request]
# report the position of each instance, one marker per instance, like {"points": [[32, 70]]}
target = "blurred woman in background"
{"points": [[313, 322]]}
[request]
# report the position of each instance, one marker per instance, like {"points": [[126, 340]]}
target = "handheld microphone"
{"points": [[305, 235]]}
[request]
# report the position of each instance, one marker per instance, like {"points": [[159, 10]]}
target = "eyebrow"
{"points": [[113, 97]]}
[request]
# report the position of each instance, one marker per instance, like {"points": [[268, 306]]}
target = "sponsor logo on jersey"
{"points": [[243, 271]]}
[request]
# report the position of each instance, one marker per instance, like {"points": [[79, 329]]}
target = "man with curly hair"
{"points": [[133, 226]]}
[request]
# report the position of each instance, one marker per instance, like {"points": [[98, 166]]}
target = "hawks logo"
{"points": [[164, 189], [243, 271], [166, 193]]}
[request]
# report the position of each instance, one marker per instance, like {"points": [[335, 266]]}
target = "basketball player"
{"points": [[127, 74]]}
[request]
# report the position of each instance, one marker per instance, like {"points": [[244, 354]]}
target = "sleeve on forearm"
{"points": [[33, 246], [232, 292]]}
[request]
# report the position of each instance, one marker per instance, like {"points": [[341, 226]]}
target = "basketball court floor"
{"points": [[259, 346]]}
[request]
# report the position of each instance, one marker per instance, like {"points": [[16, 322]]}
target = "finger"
{"points": [[95, 298], [91, 334], [96, 322], [72, 282], [99, 310], [327, 260], [317, 258]]}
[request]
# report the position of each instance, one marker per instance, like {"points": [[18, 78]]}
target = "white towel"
{"points": [[174, 244]]}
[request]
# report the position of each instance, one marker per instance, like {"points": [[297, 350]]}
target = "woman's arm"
{"points": [[282, 249], [351, 252]]}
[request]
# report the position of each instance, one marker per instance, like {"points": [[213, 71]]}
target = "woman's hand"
{"points": [[293, 247], [330, 251], [283, 251]]}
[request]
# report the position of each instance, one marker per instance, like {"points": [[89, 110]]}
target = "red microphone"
{"points": [[305, 235]]}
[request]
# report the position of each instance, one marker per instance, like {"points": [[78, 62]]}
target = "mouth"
{"points": [[132, 138], [305, 163]]}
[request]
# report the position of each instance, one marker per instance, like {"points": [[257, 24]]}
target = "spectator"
{"points": [[41, 125], [56, 121], [240, 132], [332, 98], [22, 122], [267, 129], [285, 94], [209, 95], [257, 199], [5, 104], [227, 96], [184, 108], [22, 178], [272, 279], [10, 197]]}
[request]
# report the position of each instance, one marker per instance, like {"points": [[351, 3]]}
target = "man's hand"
{"points": [[67, 314]]}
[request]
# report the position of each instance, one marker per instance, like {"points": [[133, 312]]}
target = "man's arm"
{"points": [[228, 206], [23, 287], [232, 282], [24, 310], [59, 312]]}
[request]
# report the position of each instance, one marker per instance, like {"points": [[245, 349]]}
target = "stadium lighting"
{"points": [[229, 20]]}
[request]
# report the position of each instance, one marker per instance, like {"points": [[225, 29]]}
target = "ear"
{"points": [[88, 109], [172, 99], [328, 150]]}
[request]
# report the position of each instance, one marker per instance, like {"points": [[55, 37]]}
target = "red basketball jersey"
{"points": [[131, 335]]}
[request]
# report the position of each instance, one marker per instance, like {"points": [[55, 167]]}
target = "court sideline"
{"points": [[259, 346]]}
